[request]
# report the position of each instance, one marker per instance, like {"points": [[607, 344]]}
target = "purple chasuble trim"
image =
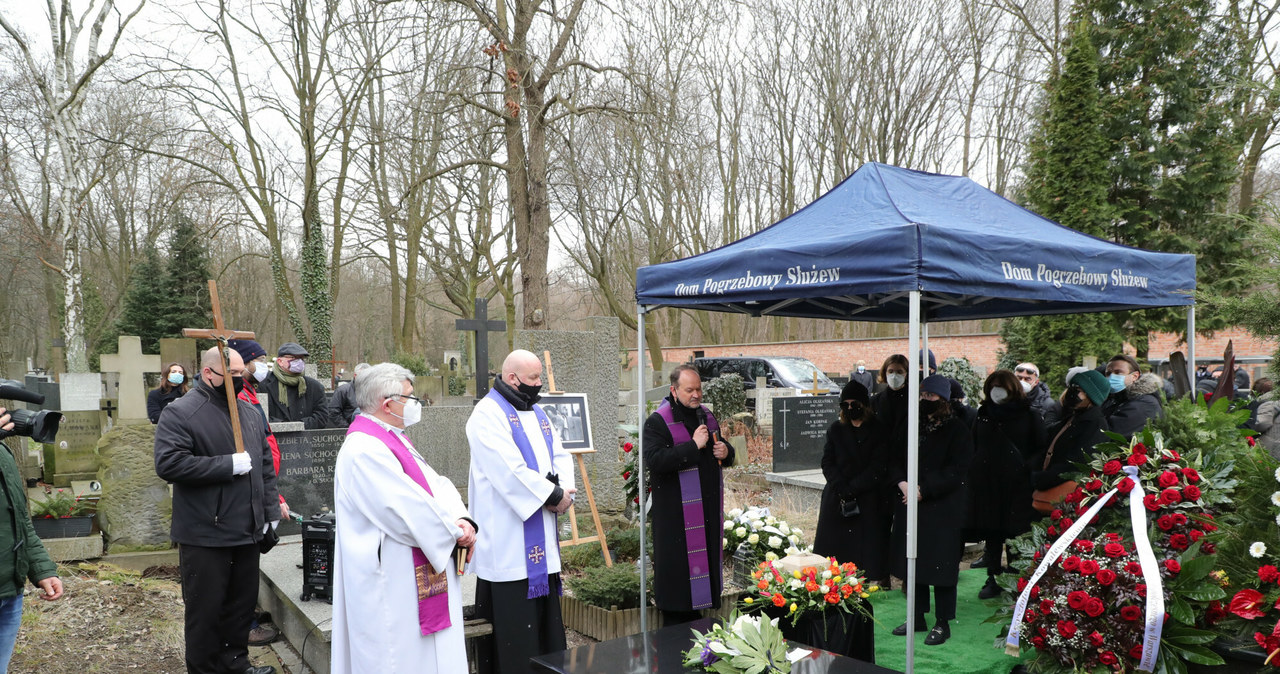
{"points": [[695, 535], [433, 601], [535, 545]]}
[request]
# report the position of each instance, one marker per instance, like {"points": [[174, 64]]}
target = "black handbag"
{"points": [[269, 540], [849, 506]]}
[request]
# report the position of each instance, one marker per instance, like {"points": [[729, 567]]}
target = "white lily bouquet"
{"points": [[743, 645], [764, 537]]}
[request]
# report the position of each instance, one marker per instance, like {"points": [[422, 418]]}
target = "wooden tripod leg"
{"points": [[595, 514]]}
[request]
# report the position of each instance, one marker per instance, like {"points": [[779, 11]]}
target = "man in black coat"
{"points": [[223, 503], [1135, 397], [342, 409], [683, 456], [292, 395]]}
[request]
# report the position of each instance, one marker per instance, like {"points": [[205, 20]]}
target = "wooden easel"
{"points": [[575, 538], [222, 334]]}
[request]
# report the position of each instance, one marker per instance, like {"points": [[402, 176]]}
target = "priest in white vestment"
{"points": [[390, 505], [521, 479]]}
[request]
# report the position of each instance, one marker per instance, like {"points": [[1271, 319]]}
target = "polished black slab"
{"points": [[662, 651]]}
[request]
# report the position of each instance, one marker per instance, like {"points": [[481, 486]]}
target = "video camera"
{"points": [[40, 426]]}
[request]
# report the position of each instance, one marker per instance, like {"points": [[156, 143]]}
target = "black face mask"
{"points": [[237, 384], [853, 409], [528, 390], [931, 406]]}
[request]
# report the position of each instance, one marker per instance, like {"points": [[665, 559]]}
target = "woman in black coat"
{"points": [[946, 448], [1007, 435], [1072, 438], [890, 408], [854, 462], [174, 385]]}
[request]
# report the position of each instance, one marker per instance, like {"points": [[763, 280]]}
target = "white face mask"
{"points": [[896, 380], [1026, 386], [261, 369], [998, 395], [412, 413]]}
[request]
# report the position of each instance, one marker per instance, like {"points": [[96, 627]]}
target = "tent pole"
{"points": [[1191, 348], [640, 389], [913, 469]]}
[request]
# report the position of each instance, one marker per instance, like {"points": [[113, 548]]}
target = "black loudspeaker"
{"points": [[317, 557]]}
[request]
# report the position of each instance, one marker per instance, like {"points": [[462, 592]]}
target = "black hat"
{"points": [[957, 391], [855, 391], [292, 349], [937, 385], [247, 348]]}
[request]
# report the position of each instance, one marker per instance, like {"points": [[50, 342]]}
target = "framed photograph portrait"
{"points": [[570, 420]]}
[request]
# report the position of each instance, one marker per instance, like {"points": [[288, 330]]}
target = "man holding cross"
{"points": [[224, 499]]}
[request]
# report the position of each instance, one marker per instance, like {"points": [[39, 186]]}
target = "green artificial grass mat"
{"points": [[971, 648]]}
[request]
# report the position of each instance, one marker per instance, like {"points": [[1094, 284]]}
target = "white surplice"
{"points": [[382, 515], [503, 491]]}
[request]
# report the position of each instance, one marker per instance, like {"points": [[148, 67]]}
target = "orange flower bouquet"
{"points": [[809, 589]]}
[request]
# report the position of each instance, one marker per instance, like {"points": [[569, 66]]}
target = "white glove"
{"points": [[270, 525], [241, 463]]}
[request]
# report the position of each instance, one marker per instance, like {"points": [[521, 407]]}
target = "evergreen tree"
{"points": [[147, 291], [1067, 179], [186, 302]]}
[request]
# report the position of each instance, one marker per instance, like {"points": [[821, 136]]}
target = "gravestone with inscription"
{"points": [[307, 458], [71, 456], [80, 391], [800, 426], [132, 365]]}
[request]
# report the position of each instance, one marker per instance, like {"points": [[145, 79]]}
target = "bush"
{"points": [[624, 544], [961, 370], [585, 556], [726, 396], [410, 362], [607, 587], [457, 385]]}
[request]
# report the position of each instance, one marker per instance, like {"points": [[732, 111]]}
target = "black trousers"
{"points": [[991, 554], [523, 628], [219, 588], [944, 602]]}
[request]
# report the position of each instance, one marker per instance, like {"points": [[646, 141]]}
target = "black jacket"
{"points": [[663, 460], [342, 409], [1086, 429], [193, 448], [1127, 411], [1044, 404], [1006, 438], [945, 454], [855, 462], [158, 399], [311, 409]]}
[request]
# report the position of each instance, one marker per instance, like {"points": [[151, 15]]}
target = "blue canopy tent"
{"points": [[894, 245]]}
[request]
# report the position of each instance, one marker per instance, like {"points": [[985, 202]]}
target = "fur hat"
{"points": [[855, 391], [1093, 384], [937, 385]]}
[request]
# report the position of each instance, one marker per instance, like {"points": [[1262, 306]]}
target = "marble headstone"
{"points": [[132, 365], [80, 391], [307, 458], [800, 426], [72, 455]]}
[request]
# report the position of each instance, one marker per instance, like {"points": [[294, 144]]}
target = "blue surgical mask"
{"points": [[176, 378], [862, 368], [1117, 382]]}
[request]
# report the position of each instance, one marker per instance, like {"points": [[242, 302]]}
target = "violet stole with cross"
{"points": [[695, 534]]}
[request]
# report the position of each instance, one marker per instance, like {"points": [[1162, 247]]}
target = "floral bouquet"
{"points": [[1087, 612], [761, 535], [740, 645], [630, 474], [810, 589]]}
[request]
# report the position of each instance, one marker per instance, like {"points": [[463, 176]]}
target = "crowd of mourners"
{"points": [[986, 472]]}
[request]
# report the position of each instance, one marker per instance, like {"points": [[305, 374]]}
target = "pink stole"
{"points": [[433, 586]]}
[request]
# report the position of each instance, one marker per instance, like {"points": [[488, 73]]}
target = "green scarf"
{"points": [[285, 378]]}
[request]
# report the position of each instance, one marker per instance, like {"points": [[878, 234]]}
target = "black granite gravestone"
{"points": [[800, 430], [306, 471]]}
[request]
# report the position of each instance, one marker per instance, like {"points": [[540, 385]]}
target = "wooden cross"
{"points": [[815, 391], [481, 325], [333, 371], [222, 334]]}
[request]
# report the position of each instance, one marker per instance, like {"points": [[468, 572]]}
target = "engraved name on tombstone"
{"points": [[307, 459], [800, 431]]}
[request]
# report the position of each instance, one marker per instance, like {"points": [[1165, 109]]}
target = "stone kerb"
{"points": [[587, 362], [136, 506]]}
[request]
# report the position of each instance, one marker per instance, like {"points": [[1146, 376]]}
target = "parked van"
{"points": [[778, 371]]}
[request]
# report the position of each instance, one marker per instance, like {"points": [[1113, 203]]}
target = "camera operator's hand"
{"points": [[52, 587], [6, 424]]}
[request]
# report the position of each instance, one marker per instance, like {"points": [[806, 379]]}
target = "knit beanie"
{"points": [[855, 391], [247, 348], [1093, 384], [937, 385]]}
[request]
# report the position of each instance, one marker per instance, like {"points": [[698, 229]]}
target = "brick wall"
{"points": [[982, 349]]}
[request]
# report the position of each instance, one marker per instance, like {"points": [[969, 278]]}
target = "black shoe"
{"points": [[901, 630], [980, 563], [990, 590], [938, 635], [265, 669]]}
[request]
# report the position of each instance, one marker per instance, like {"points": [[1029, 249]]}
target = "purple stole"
{"points": [[695, 534], [535, 545], [433, 586]]}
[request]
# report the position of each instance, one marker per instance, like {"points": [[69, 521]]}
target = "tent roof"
{"points": [[855, 253]]}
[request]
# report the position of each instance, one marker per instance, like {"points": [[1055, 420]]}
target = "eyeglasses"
{"points": [[1026, 370], [403, 397]]}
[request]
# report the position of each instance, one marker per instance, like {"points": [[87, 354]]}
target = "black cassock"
{"points": [[662, 462], [856, 463]]}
